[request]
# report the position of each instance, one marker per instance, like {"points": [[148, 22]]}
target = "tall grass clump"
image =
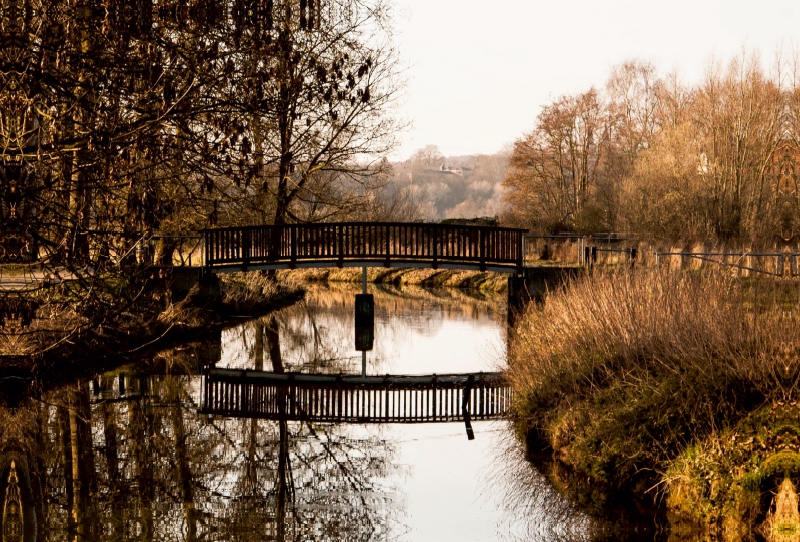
{"points": [[620, 372], [256, 293]]}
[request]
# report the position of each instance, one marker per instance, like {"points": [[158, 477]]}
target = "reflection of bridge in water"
{"points": [[355, 399]]}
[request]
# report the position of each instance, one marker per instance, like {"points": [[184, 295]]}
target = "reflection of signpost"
{"points": [[365, 323], [465, 406], [365, 327]]}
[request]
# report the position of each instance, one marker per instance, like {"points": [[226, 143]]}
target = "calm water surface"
{"points": [[131, 455], [442, 486]]}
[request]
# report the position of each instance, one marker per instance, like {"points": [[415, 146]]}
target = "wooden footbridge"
{"points": [[364, 244], [355, 399]]}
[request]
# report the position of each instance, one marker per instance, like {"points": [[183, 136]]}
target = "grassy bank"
{"points": [[429, 278], [627, 382]]}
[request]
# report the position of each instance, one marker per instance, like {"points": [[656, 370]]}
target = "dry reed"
{"points": [[429, 278], [255, 292], [619, 372]]}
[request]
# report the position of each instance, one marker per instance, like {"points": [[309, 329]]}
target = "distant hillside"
{"points": [[452, 186]]}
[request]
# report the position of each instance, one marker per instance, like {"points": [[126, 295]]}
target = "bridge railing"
{"points": [[361, 399], [363, 241]]}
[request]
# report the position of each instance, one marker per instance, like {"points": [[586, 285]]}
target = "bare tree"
{"points": [[664, 160], [555, 170], [325, 98], [428, 156]]}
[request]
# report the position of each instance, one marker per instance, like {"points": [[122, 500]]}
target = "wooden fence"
{"points": [[779, 264]]}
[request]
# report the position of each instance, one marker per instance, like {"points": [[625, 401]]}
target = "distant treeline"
{"points": [[716, 161], [439, 187]]}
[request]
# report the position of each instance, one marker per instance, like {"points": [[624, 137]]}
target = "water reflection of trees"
{"points": [[307, 340], [532, 508], [103, 463], [316, 335], [151, 467]]}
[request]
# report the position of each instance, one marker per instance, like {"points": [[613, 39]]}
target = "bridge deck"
{"points": [[372, 399], [350, 244]]}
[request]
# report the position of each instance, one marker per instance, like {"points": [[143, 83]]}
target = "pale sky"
{"points": [[479, 71]]}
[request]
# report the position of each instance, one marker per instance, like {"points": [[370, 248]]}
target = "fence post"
{"points": [[482, 249], [340, 234], [293, 243], [207, 248], [246, 246], [435, 246], [590, 255], [387, 262], [275, 235]]}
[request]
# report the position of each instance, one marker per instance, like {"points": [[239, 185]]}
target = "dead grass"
{"points": [[255, 293], [620, 372], [432, 278]]}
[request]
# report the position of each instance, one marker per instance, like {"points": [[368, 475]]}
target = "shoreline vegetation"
{"points": [[488, 282], [230, 297], [667, 391], [160, 317]]}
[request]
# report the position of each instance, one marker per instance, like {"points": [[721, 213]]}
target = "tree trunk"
{"points": [[184, 472], [140, 427], [83, 470], [281, 486], [165, 252], [66, 460]]}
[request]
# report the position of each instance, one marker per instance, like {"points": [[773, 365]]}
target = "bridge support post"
{"points": [[363, 280]]}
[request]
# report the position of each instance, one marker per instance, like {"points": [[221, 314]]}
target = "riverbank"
{"points": [[131, 319], [428, 278], [631, 385], [213, 302]]}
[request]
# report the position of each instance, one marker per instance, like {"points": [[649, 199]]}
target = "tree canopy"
{"points": [[123, 118], [647, 154]]}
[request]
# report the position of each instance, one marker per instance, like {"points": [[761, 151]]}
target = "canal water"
{"points": [[132, 455], [442, 485]]}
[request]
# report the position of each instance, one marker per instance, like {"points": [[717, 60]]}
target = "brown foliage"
{"points": [[664, 160], [554, 170]]}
